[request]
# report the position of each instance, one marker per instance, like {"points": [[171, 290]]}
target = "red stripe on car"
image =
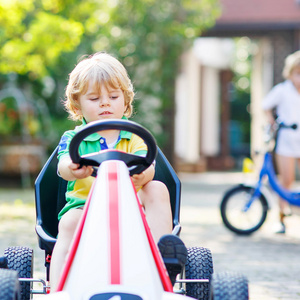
{"points": [[114, 225]]}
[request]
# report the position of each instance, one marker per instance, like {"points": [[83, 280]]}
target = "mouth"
{"points": [[105, 113]]}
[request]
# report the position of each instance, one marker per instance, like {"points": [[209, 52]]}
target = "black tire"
{"points": [[21, 260], [229, 286], [237, 220], [9, 285], [199, 265]]}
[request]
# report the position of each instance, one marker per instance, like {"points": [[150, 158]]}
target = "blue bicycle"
{"points": [[244, 208]]}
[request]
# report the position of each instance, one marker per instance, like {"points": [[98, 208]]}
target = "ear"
{"points": [[78, 111]]}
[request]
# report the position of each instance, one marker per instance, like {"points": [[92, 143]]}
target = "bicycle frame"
{"points": [[268, 170]]}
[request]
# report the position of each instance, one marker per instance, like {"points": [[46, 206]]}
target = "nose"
{"points": [[104, 101]]}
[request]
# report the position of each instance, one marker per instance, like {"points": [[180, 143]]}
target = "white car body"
{"points": [[113, 252]]}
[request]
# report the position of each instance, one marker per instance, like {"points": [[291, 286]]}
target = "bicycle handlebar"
{"points": [[282, 125], [271, 131]]}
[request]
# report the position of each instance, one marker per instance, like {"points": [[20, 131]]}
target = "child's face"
{"points": [[104, 104], [295, 77]]}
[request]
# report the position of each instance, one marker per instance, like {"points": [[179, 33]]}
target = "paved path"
{"points": [[271, 262]]}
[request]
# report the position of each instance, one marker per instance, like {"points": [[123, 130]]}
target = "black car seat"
{"points": [[50, 198]]}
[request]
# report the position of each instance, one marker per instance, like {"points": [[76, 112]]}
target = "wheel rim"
{"points": [[238, 217]]}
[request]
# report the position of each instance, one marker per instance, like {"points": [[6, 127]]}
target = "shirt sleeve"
{"points": [[64, 144], [138, 147], [273, 98]]}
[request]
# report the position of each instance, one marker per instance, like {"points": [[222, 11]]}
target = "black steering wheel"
{"points": [[137, 164]]}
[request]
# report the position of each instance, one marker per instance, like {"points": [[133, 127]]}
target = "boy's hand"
{"points": [[143, 178], [83, 172], [70, 171], [138, 179]]}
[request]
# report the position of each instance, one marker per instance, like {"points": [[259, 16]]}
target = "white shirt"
{"points": [[286, 99]]}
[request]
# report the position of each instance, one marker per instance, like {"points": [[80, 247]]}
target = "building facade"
{"points": [[203, 85]]}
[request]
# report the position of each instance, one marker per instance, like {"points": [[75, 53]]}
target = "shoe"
{"points": [[174, 254], [280, 228]]}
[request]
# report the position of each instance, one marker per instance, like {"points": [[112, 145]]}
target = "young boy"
{"points": [[99, 88], [285, 99]]}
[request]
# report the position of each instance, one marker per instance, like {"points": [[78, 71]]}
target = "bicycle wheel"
{"points": [[235, 217]]}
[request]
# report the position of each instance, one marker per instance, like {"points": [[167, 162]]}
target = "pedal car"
{"points": [[113, 254]]}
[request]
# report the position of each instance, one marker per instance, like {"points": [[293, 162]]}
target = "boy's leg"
{"points": [[67, 226], [156, 202], [286, 170]]}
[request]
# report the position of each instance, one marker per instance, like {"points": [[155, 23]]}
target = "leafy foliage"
{"points": [[42, 40]]}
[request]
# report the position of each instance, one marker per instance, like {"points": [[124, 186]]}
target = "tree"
{"points": [[42, 40]]}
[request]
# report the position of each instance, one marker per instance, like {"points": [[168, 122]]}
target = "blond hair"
{"points": [[97, 69], [291, 61]]}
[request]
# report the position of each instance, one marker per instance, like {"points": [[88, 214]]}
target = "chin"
{"points": [[102, 117]]}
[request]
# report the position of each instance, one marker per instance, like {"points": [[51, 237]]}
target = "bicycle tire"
{"points": [[243, 223]]}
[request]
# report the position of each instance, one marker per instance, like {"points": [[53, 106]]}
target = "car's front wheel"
{"points": [[229, 286], [20, 259], [9, 285], [199, 265]]}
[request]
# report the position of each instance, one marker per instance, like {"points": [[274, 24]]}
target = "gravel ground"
{"points": [[270, 262]]}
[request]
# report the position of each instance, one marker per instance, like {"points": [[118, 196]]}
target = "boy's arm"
{"points": [[70, 171], [270, 116]]}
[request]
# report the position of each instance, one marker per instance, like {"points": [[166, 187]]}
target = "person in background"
{"points": [[283, 102]]}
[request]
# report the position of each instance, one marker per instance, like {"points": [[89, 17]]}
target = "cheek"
{"points": [[125, 105]]}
